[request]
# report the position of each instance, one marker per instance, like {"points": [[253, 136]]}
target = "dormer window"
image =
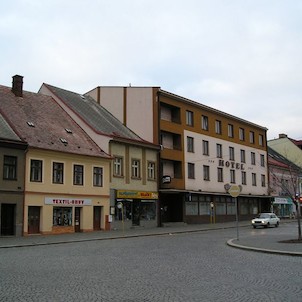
{"points": [[64, 141], [68, 130], [30, 124]]}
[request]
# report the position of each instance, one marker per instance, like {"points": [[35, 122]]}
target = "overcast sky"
{"points": [[243, 57]]}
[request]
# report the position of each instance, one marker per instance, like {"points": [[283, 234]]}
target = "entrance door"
{"points": [[77, 220], [97, 218], [8, 219], [33, 220], [136, 212]]}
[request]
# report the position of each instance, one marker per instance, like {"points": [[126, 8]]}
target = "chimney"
{"points": [[282, 135], [17, 88]]}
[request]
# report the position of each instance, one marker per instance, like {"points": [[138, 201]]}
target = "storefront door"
{"points": [[33, 220], [97, 218], [77, 219], [8, 219], [136, 212]]}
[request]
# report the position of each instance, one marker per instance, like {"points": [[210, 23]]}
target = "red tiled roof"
{"points": [[50, 123]]}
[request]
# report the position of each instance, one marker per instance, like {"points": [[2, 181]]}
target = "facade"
{"points": [[203, 152], [12, 162], [66, 175], [133, 171]]}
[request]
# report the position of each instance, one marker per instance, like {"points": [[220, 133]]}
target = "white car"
{"points": [[266, 220]]}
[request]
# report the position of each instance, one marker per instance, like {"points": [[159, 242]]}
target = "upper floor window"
{"points": [[220, 174], [253, 158], [205, 147], [190, 144], [189, 118], [204, 122], [254, 180], [262, 180], [252, 137], [78, 175], [262, 160], [97, 176], [261, 140], [206, 172], [218, 127], [118, 166], [36, 170], [219, 150], [151, 170], [230, 130], [232, 153], [232, 176], [241, 134], [9, 167], [57, 173], [243, 177], [242, 155], [191, 171], [136, 168]]}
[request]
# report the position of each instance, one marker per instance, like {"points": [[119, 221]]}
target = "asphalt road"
{"points": [[179, 267]]}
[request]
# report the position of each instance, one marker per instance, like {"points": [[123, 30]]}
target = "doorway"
{"points": [[136, 212], [77, 220], [97, 216], [8, 214], [33, 220]]}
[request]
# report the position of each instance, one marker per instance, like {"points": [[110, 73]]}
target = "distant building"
{"points": [[203, 152], [66, 177]]}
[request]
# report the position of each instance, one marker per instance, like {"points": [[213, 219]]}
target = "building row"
{"points": [[124, 157]]}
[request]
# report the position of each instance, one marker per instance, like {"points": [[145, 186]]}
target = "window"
{"points": [[204, 122], [36, 170], [253, 158], [254, 182], [62, 216], [230, 130], [241, 134], [9, 167], [232, 153], [242, 156], [189, 118], [262, 162], [252, 137], [262, 180], [219, 150], [151, 170], [206, 172], [243, 177], [97, 176], [261, 140], [136, 168], [232, 176], [190, 144], [148, 210], [218, 127], [57, 173], [191, 171], [78, 175], [118, 166], [219, 174], [205, 147]]}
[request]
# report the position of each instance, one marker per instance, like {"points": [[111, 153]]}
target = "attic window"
{"points": [[83, 97], [64, 141], [30, 124], [68, 130]]}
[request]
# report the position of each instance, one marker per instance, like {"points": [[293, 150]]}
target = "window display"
{"points": [[62, 216]]}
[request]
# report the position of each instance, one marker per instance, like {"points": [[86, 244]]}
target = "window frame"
{"points": [[206, 172], [98, 176], [191, 171], [78, 175], [151, 170], [189, 118], [205, 122], [205, 147], [57, 172], [36, 171], [230, 130], [10, 168], [118, 166], [135, 168], [190, 144]]}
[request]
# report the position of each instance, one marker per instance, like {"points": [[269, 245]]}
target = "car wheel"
{"points": [[254, 226], [266, 226], [277, 224]]}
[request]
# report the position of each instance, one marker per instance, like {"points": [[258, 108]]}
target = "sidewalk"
{"points": [[258, 242]]}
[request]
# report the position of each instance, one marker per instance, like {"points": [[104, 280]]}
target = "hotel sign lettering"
{"points": [[230, 164]]}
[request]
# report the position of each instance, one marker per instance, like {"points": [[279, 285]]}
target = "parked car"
{"points": [[266, 220]]}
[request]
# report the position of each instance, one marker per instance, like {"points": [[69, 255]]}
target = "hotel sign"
{"points": [[68, 201]]}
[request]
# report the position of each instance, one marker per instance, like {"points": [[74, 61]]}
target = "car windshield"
{"points": [[263, 215]]}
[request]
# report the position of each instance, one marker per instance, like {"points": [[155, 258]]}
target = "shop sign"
{"points": [[67, 201], [166, 179], [282, 200], [137, 194]]}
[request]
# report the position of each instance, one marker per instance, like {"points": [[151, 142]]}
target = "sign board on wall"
{"points": [[58, 201]]}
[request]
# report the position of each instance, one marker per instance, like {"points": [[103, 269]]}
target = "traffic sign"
{"points": [[234, 191]]}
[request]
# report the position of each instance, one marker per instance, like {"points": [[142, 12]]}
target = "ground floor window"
{"points": [[62, 216], [148, 210]]}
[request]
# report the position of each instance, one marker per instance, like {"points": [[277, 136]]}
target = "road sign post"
{"points": [[234, 192]]}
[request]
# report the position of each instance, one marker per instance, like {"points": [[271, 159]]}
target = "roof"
{"points": [[96, 116], [38, 120], [6, 132]]}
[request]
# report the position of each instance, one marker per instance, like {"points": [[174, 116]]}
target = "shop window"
{"points": [[148, 210], [124, 213], [98, 176], [191, 208], [57, 173], [10, 167], [78, 175], [62, 216], [220, 206], [36, 170], [231, 209]]}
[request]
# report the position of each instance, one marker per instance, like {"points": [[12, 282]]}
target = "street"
{"points": [[180, 267]]}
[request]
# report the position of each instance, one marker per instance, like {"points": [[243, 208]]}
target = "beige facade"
{"points": [[48, 201]]}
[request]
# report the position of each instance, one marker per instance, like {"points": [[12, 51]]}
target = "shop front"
{"points": [[134, 209], [283, 207]]}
